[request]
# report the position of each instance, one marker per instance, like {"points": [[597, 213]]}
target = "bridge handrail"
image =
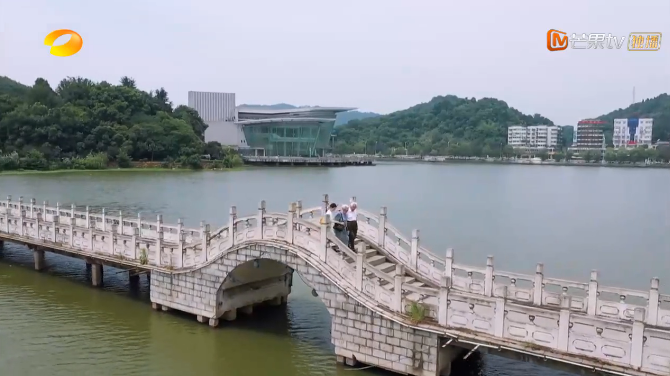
{"points": [[432, 267]]}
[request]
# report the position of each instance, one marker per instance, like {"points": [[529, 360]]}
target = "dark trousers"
{"points": [[352, 227]]}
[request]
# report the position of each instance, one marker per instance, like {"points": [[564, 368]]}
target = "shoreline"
{"points": [[597, 164], [131, 169]]}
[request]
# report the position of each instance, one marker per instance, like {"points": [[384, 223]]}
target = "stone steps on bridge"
{"points": [[386, 265]]}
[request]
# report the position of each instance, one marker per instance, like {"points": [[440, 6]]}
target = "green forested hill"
{"points": [[657, 108], [40, 126], [445, 125]]}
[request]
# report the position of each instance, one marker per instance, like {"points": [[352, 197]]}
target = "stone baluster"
{"points": [[652, 307], [488, 277], [232, 217], [139, 224], [54, 228], [8, 211], [449, 265], [414, 255], [38, 221], [32, 207], [443, 302], [88, 217], [120, 222], [592, 302], [564, 323], [399, 278], [112, 239], [638, 338], [325, 203], [381, 231], [290, 223], [159, 247], [499, 325], [325, 228], [73, 219], [133, 240], [104, 220], [22, 214], [181, 246], [260, 220], [203, 240], [44, 210], [360, 257], [159, 222], [180, 226], [538, 284]]}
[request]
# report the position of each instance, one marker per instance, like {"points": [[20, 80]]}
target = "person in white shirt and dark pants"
{"points": [[352, 224]]}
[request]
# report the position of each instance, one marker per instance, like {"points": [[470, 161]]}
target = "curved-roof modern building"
{"points": [[299, 132]]}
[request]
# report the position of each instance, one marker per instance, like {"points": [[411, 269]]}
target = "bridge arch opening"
{"points": [[264, 274]]}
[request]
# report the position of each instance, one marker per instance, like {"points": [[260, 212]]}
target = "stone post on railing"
{"points": [[449, 264], [22, 214], [208, 231], [260, 220], [325, 203], [499, 325], [298, 208], [290, 222], [133, 240], [538, 283], [73, 220], [652, 307], [54, 229], [44, 210], [159, 247], [414, 255], [181, 239], [88, 218], [592, 302], [443, 302], [32, 208], [38, 221], [90, 234], [57, 211], [159, 222], [488, 277], [139, 224], [120, 222], [637, 337], [180, 226], [203, 240], [564, 323], [360, 257], [232, 216], [104, 220], [9, 206], [71, 230], [325, 228], [381, 231], [112, 239], [399, 278]]}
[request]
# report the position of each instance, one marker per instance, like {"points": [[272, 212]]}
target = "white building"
{"points": [[632, 132], [219, 112], [534, 136]]}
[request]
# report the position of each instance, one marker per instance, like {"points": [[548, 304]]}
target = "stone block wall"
{"points": [[357, 332]]}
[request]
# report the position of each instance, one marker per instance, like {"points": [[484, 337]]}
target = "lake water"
{"points": [[573, 219]]}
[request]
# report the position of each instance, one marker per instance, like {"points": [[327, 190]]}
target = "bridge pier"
{"points": [[230, 315], [446, 356], [96, 275], [38, 255], [133, 280]]}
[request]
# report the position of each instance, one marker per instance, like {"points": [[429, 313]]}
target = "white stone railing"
{"points": [[536, 289]]}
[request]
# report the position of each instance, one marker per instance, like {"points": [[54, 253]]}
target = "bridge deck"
{"points": [[599, 327]]}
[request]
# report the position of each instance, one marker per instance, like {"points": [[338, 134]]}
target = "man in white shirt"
{"points": [[352, 224]]}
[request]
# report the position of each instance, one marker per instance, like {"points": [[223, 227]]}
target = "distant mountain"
{"points": [[657, 108], [342, 117]]}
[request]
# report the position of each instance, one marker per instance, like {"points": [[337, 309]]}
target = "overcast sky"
{"points": [[377, 55]]}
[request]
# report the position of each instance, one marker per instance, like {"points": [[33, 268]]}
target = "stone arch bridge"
{"points": [[394, 304]]}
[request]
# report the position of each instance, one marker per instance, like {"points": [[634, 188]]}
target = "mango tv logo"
{"points": [[68, 49]]}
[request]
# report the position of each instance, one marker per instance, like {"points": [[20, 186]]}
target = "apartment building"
{"points": [[589, 135], [632, 132], [535, 136]]}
